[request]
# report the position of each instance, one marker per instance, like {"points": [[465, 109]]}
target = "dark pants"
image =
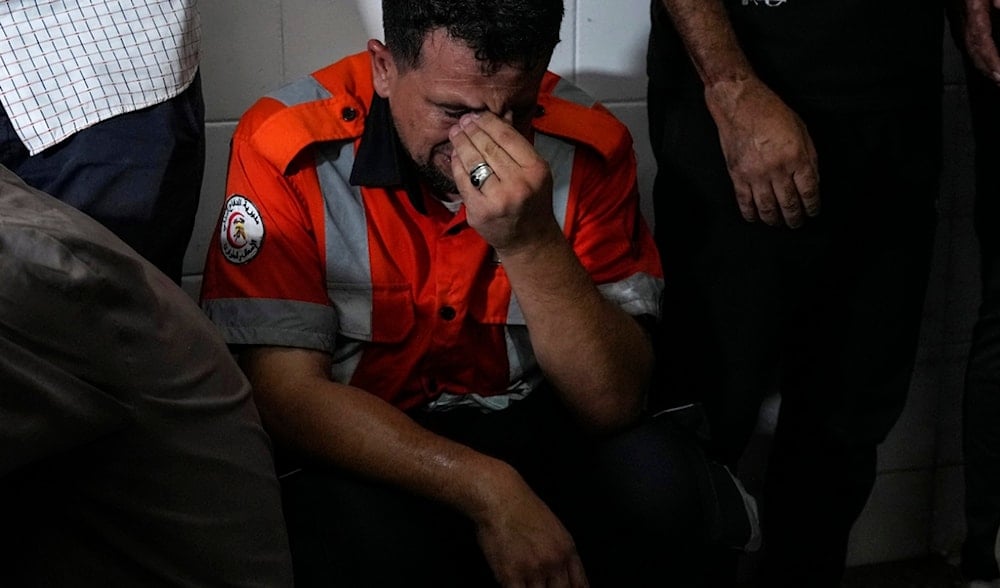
{"points": [[642, 506], [981, 410], [139, 174], [827, 314]]}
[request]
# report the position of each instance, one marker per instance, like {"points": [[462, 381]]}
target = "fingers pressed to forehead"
{"points": [[500, 129], [473, 145], [488, 131]]}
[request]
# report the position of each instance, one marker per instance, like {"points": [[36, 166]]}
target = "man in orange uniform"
{"points": [[432, 262]]}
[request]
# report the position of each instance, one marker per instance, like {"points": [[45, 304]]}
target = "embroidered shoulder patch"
{"points": [[242, 230]]}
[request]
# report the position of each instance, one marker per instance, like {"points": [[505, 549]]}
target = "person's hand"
{"points": [[511, 208], [978, 36], [525, 544], [769, 153]]}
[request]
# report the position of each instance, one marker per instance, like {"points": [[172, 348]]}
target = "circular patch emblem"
{"points": [[242, 231]]}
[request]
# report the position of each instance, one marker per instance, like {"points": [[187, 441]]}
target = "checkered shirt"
{"points": [[68, 64]]}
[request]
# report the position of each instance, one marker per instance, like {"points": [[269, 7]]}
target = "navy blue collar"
{"points": [[381, 160]]}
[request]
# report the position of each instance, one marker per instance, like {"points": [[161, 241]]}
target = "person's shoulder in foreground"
{"points": [[130, 450]]}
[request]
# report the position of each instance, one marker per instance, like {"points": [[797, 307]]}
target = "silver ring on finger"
{"points": [[479, 174]]}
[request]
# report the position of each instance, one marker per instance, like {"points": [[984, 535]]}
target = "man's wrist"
{"points": [[489, 490]]}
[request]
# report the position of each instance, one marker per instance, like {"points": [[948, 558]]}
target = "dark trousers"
{"points": [[981, 402], [139, 174], [827, 314], [643, 506]]}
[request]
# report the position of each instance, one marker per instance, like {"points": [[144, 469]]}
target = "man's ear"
{"points": [[384, 69]]}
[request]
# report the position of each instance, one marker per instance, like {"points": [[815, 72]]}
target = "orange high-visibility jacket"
{"points": [[410, 301]]}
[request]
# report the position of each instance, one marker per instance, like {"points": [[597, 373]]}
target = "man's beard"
{"points": [[439, 183]]}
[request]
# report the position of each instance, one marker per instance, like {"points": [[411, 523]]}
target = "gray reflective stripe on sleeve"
{"points": [[345, 361], [348, 264], [637, 295], [520, 353], [303, 90], [267, 321], [524, 373], [559, 154], [568, 91]]}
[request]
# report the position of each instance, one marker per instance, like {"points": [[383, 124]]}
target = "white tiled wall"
{"points": [[253, 46]]}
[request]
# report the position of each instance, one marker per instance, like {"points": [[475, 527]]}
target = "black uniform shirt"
{"points": [[822, 53]]}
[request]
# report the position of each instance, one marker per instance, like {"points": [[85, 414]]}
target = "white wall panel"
{"points": [[241, 54], [319, 32], [611, 52]]}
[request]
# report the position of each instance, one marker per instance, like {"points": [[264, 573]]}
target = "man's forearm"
{"points": [[357, 431], [708, 36], [350, 428], [597, 356], [769, 154], [979, 37]]}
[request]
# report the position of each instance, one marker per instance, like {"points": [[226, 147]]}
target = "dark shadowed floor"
{"points": [[928, 572]]}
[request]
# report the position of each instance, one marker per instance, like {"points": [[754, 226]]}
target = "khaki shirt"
{"points": [[130, 450]]}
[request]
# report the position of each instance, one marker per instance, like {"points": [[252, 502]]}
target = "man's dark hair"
{"points": [[519, 33]]}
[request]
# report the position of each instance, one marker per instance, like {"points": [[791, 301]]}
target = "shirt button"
{"points": [[447, 313], [349, 114]]}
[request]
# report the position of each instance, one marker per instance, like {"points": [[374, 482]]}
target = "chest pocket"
{"points": [[379, 313]]}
